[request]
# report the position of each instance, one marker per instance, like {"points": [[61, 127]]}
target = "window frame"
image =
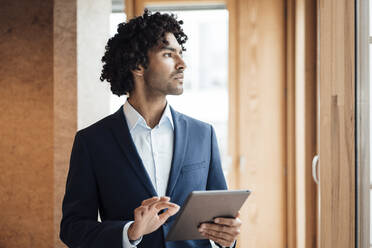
{"points": [[362, 124]]}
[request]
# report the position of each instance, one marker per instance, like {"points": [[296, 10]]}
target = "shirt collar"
{"points": [[133, 117]]}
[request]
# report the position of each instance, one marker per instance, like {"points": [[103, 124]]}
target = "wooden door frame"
{"points": [[291, 211], [301, 122]]}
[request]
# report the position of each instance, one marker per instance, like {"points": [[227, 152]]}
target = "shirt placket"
{"points": [[154, 158]]}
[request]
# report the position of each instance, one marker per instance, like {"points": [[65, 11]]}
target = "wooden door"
{"points": [[336, 78]]}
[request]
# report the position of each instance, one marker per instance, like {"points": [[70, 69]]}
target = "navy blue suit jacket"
{"points": [[107, 174]]}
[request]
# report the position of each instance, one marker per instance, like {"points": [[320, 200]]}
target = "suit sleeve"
{"points": [[79, 225], [216, 178]]}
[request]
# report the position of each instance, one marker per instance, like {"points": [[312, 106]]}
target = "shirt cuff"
{"points": [[232, 246], [126, 242]]}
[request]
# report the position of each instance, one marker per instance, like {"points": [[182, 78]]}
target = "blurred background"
{"points": [[285, 83]]}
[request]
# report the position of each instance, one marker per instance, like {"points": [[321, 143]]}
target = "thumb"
{"points": [[237, 215], [169, 212]]}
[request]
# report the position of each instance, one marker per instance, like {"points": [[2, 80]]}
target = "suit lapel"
{"points": [[180, 144], [120, 130]]}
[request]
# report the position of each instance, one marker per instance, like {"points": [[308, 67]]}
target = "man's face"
{"points": [[164, 74]]}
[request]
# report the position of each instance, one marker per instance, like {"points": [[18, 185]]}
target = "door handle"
{"points": [[314, 167]]}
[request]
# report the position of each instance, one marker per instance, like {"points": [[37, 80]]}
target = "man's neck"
{"points": [[150, 110]]}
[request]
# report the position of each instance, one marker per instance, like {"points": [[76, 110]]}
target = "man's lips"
{"points": [[179, 76]]}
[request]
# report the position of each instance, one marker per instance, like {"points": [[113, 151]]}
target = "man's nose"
{"points": [[181, 65]]}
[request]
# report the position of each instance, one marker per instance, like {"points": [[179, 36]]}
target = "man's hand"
{"points": [[223, 231], [146, 217]]}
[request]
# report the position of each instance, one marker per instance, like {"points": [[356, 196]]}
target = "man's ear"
{"points": [[138, 71]]}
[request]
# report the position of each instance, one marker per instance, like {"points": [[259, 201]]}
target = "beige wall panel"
{"points": [[262, 118], [38, 120], [65, 100], [26, 124]]}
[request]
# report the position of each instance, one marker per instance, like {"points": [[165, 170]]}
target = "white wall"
{"points": [[93, 29]]}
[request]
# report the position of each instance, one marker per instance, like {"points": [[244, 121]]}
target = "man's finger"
{"points": [[150, 200], [218, 240], [154, 199], [231, 232], [165, 198], [158, 206], [170, 211], [152, 204], [222, 235], [228, 221]]}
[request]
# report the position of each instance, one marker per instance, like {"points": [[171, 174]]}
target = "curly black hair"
{"points": [[129, 47]]}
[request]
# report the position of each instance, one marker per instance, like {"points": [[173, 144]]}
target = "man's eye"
{"points": [[168, 55]]}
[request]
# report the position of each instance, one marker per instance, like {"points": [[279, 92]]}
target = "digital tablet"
{"points": [[204, 206]]}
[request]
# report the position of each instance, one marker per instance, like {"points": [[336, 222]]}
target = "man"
{"points": [[138, 165]]}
